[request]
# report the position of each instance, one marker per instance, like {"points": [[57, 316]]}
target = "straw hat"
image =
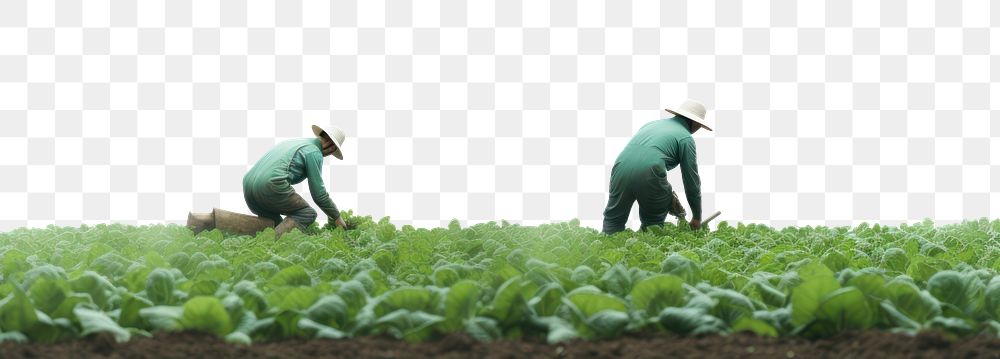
{"points": [[336, 134], [692, 110]]}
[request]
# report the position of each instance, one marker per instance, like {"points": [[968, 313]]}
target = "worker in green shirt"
{"points": [[640, 172], [268, 190]]}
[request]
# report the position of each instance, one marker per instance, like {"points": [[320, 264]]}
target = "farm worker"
{"points": [[268, 190], [640, 172]]}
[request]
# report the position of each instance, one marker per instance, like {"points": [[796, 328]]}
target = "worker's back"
{"points": [[657, 143], [274, 165]]}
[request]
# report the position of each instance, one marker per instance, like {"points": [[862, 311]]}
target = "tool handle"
{"points": [[710, 218]]}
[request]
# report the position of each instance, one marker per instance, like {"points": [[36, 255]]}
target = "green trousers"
{"points": [[274, 199], [644, 184]]}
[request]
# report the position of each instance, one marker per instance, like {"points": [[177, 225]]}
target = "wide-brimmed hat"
{"points": [[335, 134], [692, 110]]}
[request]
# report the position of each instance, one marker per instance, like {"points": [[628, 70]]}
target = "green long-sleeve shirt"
{"points": [[666, 143], [291, 162]]}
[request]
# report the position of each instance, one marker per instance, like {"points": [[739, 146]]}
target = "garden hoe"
{"points": [[678, 211], [710, 218]]}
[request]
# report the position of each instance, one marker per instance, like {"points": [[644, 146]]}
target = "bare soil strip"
{"points": [[188, 345]]}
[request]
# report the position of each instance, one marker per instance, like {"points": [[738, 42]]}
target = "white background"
{"points": [[826, 112]]}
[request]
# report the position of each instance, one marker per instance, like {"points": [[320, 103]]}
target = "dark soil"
{"points": [[195, 345]]}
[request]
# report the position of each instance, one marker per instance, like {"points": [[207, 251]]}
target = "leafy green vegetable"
{"points": [[497, 280], [655, 293], [846, 309], [680, 266], [963, 291], [17, 313], [690, 321], [330, 311], [755, 326], [206, 314], [94, 321], [460, 305]]}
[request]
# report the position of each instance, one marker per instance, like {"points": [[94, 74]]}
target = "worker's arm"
{"points": [[692, 181], [314, 172]]}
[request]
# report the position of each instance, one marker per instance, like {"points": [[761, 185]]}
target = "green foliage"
{"points": [[755, 326], [330, 311], [460, 305], [509, 306], [656, 293], [591, 303], [680, 266], [961, 291], [845, 309], [17, 313], [817, 282], [92, 321], [294, 275], [692, 321], [498, 280], [206, 314], [160, 287]]}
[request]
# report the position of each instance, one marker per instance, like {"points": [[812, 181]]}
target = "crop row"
{"points": [[496, 280]]}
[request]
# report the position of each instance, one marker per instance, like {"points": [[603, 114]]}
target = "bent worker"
{"points": [[640, 172], [268, 190]]}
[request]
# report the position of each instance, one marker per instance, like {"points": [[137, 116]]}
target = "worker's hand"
{"points": [[695, 224], [340, 223]]}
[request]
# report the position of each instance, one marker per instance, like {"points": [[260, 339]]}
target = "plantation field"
{"points": [[552, 283]]}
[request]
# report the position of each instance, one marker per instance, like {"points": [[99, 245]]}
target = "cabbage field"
{"points": [[554, 282]]}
